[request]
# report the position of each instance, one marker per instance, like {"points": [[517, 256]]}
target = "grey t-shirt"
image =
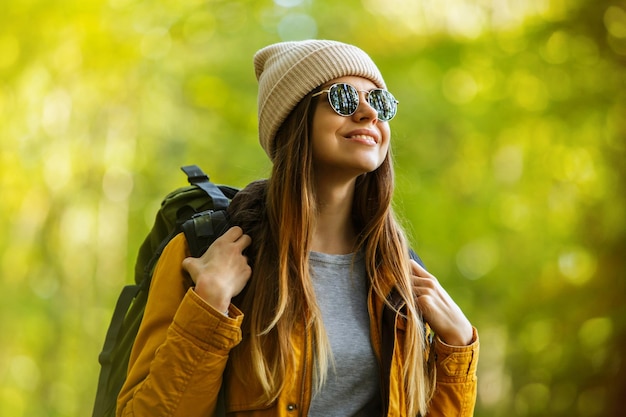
{"points": [[353, 388]]}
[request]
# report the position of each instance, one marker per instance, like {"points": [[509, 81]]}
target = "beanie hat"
{"points": [[288, 71]]}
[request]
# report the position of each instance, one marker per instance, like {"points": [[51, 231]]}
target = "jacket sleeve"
{"points": [[455, 391], [181, 349]]}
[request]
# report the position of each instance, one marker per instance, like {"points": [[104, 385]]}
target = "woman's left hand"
{"points": [[439, 309]]}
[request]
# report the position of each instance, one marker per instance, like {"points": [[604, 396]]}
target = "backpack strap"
{"points": [[196, 176], [203, 228], [113, 336]]}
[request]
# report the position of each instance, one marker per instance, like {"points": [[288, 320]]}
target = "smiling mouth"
{"points": [[363, 138]]}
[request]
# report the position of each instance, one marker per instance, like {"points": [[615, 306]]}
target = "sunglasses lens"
{"points": [[344, 98], [384, 103]]}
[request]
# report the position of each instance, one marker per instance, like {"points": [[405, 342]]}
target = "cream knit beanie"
{"points": [[288, 71]]}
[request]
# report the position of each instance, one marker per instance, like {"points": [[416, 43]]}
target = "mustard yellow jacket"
{"points": [[181, 354]]}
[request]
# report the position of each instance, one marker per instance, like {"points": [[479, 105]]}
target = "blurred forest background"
{"points": [[510, 148]]}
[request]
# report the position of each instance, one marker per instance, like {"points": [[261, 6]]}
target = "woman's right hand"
{"points": [[222, 271]]}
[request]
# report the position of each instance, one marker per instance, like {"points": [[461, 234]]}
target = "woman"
{"points": [[311, 305]]}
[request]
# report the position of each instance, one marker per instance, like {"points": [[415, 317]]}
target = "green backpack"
{"points": [[198, 210]]}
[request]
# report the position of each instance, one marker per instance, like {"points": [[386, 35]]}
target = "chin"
{"points": [[366, 169]]}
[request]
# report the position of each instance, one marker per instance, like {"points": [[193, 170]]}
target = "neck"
{"points": [[334, 230]]}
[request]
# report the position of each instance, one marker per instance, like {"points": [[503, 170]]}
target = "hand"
{"points": [[222, 271], [439, 309]]}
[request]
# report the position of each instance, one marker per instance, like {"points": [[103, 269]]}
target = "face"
{"points": [[348, 145]]}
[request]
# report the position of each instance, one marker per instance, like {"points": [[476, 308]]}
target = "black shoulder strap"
{"points": [[104, 404], [196, 176], [203, 228]]}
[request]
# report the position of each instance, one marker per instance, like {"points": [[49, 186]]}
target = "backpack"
{"points": [[199, 211]]}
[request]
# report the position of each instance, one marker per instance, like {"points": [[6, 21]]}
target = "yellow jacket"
{"points": [[180, 357]]}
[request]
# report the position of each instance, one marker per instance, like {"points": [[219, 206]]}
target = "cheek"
{"points": [[386, 135], [325, 119]]}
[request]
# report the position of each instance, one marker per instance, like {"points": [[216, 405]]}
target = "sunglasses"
{"points": [[344, 99]]}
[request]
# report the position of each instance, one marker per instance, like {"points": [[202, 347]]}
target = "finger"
{"points": [[244, 241], [426, 305], [189, 264], [236, 235], [419, 270], [425, 282], [233, 234]]}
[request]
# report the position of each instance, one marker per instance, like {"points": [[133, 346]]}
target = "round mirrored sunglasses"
{"points": [[344, 100]]}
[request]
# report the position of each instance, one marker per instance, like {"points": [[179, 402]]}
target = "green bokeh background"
{"points": [[510, 150]]}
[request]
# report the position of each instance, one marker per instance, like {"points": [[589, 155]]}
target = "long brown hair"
{"points": [[279, 215]]}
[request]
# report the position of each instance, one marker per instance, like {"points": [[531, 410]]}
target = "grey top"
{"points": [[353, 386]]}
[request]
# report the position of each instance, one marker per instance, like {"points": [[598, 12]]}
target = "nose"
{"points": [[365, 111]]}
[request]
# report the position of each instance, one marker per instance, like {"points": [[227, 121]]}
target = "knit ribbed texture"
{"points": [[288, 71]]}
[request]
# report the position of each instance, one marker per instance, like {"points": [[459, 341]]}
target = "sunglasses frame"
{"points": [[367, 98]]}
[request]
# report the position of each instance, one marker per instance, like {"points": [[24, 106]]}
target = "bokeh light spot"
{"points": [[199, 28], [595, 332], [57, 168], [288, 3], [117, 184], [556, 49], [57, 110], [615, 21], [477, 258], [459, 86], [537, 335], [508, 163], [25, 372], [528, 91], [532, 399], [297, 26], [577, 265], [512, 211]]}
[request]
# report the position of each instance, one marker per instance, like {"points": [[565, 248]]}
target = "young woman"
{"points": [[311, 304]]}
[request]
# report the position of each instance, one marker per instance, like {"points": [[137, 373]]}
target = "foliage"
{"points": [[509, 145]]}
